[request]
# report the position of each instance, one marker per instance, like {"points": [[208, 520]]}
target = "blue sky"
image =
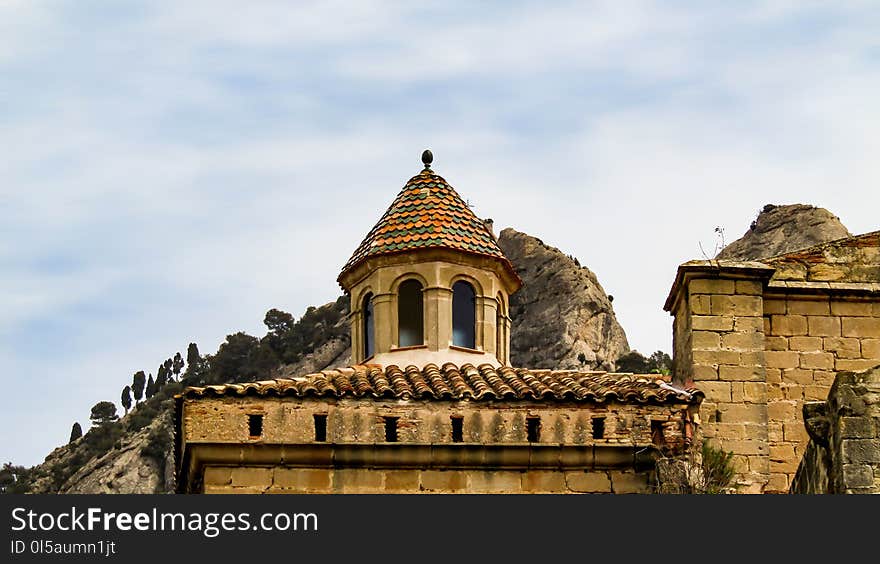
{"points": [[171, 170]]}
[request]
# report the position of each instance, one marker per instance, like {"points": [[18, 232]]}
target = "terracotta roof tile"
{"points": [[427, 213], [452, 382]]}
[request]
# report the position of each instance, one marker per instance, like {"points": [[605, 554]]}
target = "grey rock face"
{"points": [[783, 229], [561, 314]]}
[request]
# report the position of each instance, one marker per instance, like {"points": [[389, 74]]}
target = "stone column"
{"points": [[385, 320], [438, 317]]}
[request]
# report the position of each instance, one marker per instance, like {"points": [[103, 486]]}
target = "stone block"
{"points": [[783, 411], [843, 347], [788, 325], [743, 341], [741, 373], [705, 340], [443, 480], [748, 324], [543, 481], [805, 344], [302, 479], [855, 365], [754, 392], [218, 476], [747, 447], [782, 452], [730, 431], [714, 358], [871, 348], [588, 482], [498, 482], [815, 393], [716, 391], [629, 483], [795, 432], [402, 480], [851, 309], [817, 361], [858, 476], [701, 372], [749, 287], [774, 432], [856, 427], [776, 343], [774, 392], [700, 304], [778, 483], [251, 476], [800, 376], [823, 378], [712, 286], [774, 375], [782, 359], [823, 326], [711, 323], [743, 413], [809, 307], [861, 327], [774, 307], [357, 480], [861, 451]]}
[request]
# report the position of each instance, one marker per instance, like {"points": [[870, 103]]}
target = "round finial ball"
{"points": [[427, 157]]}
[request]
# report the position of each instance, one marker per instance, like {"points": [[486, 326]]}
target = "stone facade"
{"points": [[760, 339], [342, 445], [843, 454]]}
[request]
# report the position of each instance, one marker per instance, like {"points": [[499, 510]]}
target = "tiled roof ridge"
{"points": [[427, 213], [460, 382]]}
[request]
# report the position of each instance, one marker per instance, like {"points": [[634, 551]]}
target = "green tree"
{"points": [[151, 387], [177, 365], [103, 412], [137, 385], [633, 361], [161, 378], [126, 398], [14, 479], [76, 432]]}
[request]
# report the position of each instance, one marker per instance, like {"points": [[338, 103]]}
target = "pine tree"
{"points": [[126, 398], [103, 412], [76, 432], [161, 378], [137, 386]]}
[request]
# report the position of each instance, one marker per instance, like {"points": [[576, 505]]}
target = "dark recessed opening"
{"points": [[657, 436], [320, 428], [255, 425], [533, 429], [718, 416], [457, 429], [599, 427], [391, 429]]}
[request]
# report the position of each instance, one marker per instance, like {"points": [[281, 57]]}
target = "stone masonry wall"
{"points": [[719, 344], [809, 339], [843, 455], [279, 479]]}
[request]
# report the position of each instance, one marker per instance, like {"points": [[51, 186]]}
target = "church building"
{"points": [[430, 402]]}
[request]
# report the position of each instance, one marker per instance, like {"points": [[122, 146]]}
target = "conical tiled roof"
{"points": [[427, 213]]}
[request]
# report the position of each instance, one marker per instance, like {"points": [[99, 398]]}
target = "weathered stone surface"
{"points": [[561, 312], [782, 229]]}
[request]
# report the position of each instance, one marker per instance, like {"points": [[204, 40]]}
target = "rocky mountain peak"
{"points": [[783, 229]]}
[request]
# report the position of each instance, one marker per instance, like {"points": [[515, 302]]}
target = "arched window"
{"points": [[410, 314], [464, 315], [369, 327], [499, 329]]}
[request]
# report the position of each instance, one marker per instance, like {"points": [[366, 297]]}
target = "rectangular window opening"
{"points": [[533, 429], [599, 428], [457, 429], [657, 436], [391, 429], [255, 425], [320, 428]]}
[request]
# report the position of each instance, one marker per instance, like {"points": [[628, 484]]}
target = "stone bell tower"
{"points": [[429, 283]]}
